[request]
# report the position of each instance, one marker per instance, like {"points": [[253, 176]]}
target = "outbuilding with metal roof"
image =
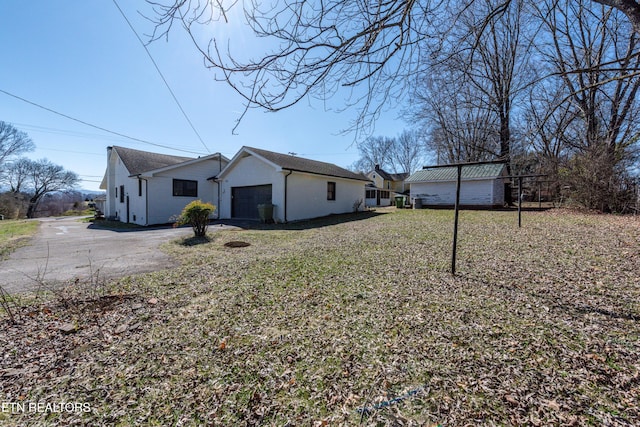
{"points": [[481, 185]]}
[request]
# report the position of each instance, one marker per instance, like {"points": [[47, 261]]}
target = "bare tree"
{"points": [[591, 48], [498, 67], [408, 152], [630, 8], [375, 49], [404, 153], [460, 127], [548, 121], [380, 50], [469, 95], [13, 142], [17, 173], [375, 150], [38, 178]]}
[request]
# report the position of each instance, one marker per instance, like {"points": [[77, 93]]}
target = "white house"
{"points": [[150, 188], [298, 188], [384, 187], [481, 185]]}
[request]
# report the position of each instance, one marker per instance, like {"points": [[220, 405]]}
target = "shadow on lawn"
{"points": [[123, 227], [325, 221], [302, 225], [196, 240]]}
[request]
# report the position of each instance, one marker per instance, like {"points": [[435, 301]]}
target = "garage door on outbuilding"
{"points": [[245, 200]]}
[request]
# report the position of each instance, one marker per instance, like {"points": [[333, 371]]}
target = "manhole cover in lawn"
{"points": [[237, 244]]}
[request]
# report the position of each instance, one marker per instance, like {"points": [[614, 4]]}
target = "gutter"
{"points": [[218, 184], [363, 178]]}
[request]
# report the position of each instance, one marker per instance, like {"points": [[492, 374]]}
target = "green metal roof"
{"points": [[450, 173]]}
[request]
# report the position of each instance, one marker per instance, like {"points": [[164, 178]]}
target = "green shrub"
{"points": [[196, 214]]}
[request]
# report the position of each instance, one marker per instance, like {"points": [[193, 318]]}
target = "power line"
{"points": [[75, 134], [162, 76], [94, 126]]}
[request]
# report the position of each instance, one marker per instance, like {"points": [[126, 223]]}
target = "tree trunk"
{"points": [[33, 205]]}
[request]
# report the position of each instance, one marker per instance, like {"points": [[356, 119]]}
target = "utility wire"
{"points": [[75, 134], [94, 126], [161, 75]]}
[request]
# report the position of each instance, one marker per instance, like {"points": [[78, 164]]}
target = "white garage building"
{"points": [[481, 185], [298, 188]]}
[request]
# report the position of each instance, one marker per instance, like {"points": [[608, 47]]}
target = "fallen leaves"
{"points": [[539, 328]]}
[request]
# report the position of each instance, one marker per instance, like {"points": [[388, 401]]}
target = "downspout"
{"points": [[218, 184], [285, 195], [146, 200]]}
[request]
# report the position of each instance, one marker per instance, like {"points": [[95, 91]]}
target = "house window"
{"points": [[185, 187], [384, 194], [139, 188], [331, 190], [122, 194], [371, 194]]}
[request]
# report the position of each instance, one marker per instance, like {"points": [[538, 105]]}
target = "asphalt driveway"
{"points": [[65, 249]]}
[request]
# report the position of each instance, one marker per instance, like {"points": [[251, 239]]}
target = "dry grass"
{"points": [[313, 323], [14, 234]]}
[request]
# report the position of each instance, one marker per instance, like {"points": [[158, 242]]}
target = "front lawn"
{"points": [[351, 322]]}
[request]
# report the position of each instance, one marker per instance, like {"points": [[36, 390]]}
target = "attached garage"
{"points": [[297, 188], [245, 200]]}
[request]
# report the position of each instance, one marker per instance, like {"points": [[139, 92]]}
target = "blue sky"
{"points": [[80, 58]]}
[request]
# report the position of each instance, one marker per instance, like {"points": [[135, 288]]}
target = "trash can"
{"points": [[417, 203], [399, 202], [265, 212]]}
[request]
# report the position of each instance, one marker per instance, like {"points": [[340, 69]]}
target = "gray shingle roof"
{"points": [[450, 173], [299, 164], [383, 174], [399, 176], [137, 161], [390, 176]]}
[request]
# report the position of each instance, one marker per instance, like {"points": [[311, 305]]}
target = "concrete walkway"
{"points": [[65, 249]]}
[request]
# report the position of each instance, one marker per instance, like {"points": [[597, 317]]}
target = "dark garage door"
{"points": [[245, 200]]}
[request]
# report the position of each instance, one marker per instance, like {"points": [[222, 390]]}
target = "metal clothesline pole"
{"points": [[455, 222], [459, 166]]}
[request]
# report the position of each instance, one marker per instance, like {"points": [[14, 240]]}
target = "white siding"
{"points": [[371, 202], [477, 193], [156, 204], [118, 176], [163, 206], [250, 171], [306, 193], [307, 196]]}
